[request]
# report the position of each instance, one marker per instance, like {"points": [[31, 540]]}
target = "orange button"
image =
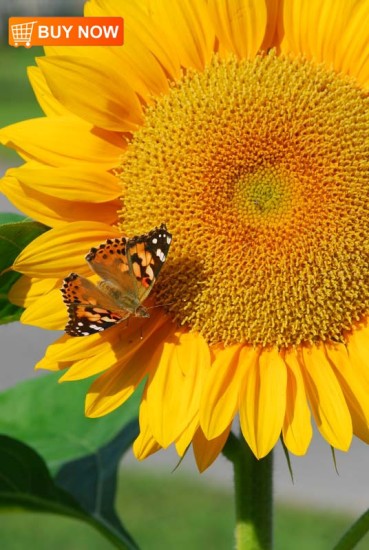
{"points": [[65, 31]]}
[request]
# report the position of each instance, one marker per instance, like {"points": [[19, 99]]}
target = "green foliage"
{"points": [[165, 511], [16, 232], [92, 480], [25, 483], [84, 453], [17, 100], [50, 418], [10, 217], [201, 515]]}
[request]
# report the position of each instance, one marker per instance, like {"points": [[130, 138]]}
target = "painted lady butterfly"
{"points": [[128, 269]]}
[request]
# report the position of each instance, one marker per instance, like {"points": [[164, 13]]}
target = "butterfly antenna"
{"points": [[161, 305]]}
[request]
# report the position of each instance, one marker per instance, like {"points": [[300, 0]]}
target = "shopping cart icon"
{"points": [[22, 33]]}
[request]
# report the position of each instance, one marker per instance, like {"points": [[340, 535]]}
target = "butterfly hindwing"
{"points": [[90, 310]]}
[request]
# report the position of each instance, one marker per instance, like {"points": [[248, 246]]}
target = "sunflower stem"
{"points": [[355, 533], [253, 495]]}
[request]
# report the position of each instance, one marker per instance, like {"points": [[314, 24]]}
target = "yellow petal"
{"points": [[53, 211], [121, 343], [358, 345], [118, 383], [353, 379], [193, 357], [297, 430], [140, 67], [27, 290], [274, 22], [192, 36], [176, 379], [240, 25], [220, 398], [67, 349], [185, 439], [115, 386], [105, 358], [142, 57], [140, 28], [94, 92], [48, 103], [326, 398], [206, 451], [82, 183], [53, 366], [353, 53], [263, 402], [62, 141], [145, 444], [47, 312], [339, 39], [62, 250]]}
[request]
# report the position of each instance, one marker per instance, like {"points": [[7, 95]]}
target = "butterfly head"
{"points": [[141, 311]]}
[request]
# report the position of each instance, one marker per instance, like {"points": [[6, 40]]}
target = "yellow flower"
{"points": [[244, 126]]}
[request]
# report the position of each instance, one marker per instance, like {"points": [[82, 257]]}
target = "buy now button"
{"points": [[66, 31]]}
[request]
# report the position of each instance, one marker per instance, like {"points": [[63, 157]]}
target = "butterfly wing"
{"points": [[109, 261], [89, 309], [128, 269], [132, 265], [146, 256]]}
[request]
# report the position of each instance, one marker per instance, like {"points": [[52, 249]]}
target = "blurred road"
{"points": [[315, 480]]}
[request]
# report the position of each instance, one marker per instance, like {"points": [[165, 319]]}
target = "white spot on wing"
{"points": [[97, 328], [150, 272], [160, 255]]}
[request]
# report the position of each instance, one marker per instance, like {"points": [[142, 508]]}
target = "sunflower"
{"points": [[244, 126]]}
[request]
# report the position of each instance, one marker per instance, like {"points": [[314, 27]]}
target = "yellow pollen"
{"points": [[260, 169]]}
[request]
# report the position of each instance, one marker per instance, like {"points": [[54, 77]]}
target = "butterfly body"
{"points": [[124, 301], [128, 269]]}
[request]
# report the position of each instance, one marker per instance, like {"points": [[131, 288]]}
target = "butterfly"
{"points": [[128, 269]]}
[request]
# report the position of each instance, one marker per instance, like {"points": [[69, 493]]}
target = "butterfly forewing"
{"points": [[146, 256], [109, 261]]}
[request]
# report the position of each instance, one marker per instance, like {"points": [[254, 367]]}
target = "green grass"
{"points": [[172, 511], [17, 100]]}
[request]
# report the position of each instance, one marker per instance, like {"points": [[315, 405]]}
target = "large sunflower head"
{"points": [[245, 128]]}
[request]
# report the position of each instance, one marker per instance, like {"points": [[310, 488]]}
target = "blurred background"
{"points": [[312, 512]]}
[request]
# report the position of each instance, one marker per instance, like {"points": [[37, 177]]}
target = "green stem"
{"points": [[253, 494], [356, 532]]}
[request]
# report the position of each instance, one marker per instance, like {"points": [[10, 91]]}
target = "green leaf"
{"points": [[355, 533], [25, 483], [14, 236], [97, 477], [10, 217], [50, 417]]}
